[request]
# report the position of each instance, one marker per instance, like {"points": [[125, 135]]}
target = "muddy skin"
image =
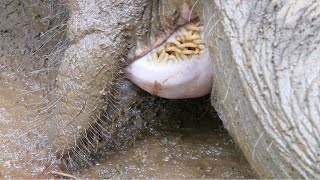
{"points": [[88, 85], [32, 37], [89, 104], [88, 101], [26, 106], [255, 27]]}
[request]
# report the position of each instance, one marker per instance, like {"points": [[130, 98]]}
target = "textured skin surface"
{"points": [[265, 63], [90, 99], [90, 74], [267, 77], [33, 35]]}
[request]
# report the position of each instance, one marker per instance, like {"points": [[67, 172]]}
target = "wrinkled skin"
{"points": [[91, 97], [266, 85], [88, 81], [90, 90], [90, 74]]}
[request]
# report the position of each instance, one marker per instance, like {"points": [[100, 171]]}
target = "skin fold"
{"points": [[91, 97]]}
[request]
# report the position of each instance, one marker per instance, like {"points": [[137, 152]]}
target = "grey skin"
{"points": [[267, 81], [256, 48], [88, 94], [92, 99]]}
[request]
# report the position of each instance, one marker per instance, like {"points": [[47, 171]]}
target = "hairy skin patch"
{"points": [[92, 107], [179, 68]]}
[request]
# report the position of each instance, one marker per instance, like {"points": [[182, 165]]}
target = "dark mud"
{"points": [[191, 153]]}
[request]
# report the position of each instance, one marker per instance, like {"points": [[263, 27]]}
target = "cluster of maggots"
{"points": [[181, 46]]}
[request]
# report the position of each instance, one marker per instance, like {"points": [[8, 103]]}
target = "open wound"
{"points": [[178, 68]]}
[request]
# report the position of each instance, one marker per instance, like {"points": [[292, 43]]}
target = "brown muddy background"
{"points": [[180, 139]]}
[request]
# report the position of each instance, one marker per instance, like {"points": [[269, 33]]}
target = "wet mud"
{"points": [[182, 147], [190, 153]]}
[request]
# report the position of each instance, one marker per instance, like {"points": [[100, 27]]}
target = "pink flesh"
{"points": [[187, 78]]}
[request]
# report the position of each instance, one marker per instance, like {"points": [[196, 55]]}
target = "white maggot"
{"points": [[188, 75]]}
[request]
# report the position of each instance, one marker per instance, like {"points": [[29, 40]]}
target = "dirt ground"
{"points": [[32, 42]]}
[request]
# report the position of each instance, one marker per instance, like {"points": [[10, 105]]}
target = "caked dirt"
{"points": [[184, 142]]}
